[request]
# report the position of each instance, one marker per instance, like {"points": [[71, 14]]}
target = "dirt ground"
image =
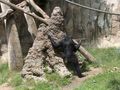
{"points": [[5, 86], [77, 81]]}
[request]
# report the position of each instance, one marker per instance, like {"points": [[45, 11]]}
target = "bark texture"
{"points": [[14, 54], [15, 59]]}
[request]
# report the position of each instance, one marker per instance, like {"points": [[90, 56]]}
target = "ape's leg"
{"points": [[78, 70]]}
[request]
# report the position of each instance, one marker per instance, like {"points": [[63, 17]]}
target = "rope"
{"points": [[89, 8]]}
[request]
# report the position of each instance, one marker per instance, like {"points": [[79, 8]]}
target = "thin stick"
{"points": [[20, 9], [38, 9]]}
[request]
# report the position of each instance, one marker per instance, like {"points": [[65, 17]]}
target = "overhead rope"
{"points": [[89, 8]]}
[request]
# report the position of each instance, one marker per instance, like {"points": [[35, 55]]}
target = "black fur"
{"points": [[67, 47]]}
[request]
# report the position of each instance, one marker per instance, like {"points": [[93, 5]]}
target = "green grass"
{"points": [[3, 73], [36, 86], [57, 80], [105, 81], [109, 80], [46, 86], [108, 59], [15, 80]]}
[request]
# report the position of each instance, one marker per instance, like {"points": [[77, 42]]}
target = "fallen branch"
{"points": [[22, 10], [38, 9], [86, 54]]}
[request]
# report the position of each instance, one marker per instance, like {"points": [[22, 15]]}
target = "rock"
{"points": [[41, 55], [62, 70]]}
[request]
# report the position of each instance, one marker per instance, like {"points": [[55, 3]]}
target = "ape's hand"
{"points": [[49, 34]]}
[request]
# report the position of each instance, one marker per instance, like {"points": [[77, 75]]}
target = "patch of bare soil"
{"points": [[77, 81], [5, 86]]}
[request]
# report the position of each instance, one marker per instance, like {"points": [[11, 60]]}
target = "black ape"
{"points": [[67, 47]]}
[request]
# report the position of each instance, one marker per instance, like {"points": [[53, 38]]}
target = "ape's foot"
{"points": [[81, 75]]}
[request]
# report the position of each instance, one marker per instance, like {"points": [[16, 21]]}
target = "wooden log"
{"points": [[86, 54]]}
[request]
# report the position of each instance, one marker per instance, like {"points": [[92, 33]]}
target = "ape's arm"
{"points": [[76, 46]]}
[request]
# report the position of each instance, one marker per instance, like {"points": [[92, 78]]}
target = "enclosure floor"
{"points": [[5, 86], [77, 81]]}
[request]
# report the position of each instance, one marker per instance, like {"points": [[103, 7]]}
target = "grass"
{"points": [[31, 85], [3, 73], [105, 81], [109, 60], [55, 82], [15, 80]]}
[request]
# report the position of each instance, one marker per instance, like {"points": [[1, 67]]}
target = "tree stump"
{"points": [[41, 56]]}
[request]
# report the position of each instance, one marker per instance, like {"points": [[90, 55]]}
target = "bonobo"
{"points": [[67, 47]]}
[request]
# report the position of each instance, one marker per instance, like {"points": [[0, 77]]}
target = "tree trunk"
{"points": [[19, 39], [32, 28], [4, 9], [15, 59]]}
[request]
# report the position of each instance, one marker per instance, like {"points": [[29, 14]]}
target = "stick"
{"points": [[20, 9], [85, 53], [38, 9]]}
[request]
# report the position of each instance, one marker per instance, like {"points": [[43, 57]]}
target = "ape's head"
{"points": [[66, 46]]}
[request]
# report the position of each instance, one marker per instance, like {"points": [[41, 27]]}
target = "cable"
{"points": [[93, 9]]}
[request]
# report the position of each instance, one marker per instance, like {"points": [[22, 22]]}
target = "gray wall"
{"points": [[83, 23]]}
